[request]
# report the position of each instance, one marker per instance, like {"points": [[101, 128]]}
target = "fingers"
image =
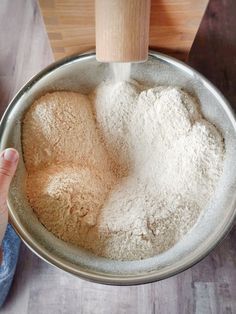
{"points": [[8, 163], [3, 223]]}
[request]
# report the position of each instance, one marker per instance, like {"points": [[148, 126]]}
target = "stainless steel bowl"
{"points": [[82, 73]]}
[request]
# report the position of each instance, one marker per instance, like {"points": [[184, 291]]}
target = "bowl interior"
{"points": [[83, 73]]}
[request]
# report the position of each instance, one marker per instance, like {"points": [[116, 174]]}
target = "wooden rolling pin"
{"points": [[122, 30]]}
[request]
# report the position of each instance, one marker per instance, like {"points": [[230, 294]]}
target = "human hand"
{"points": [[8, 164]]}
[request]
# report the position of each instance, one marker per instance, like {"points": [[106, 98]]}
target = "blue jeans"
{"points": [[10, 248]]}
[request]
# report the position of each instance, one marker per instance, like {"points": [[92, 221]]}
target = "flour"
{"points": [[113, 106], [124, 173], [174, 159], [56, 127], [121, 71]]}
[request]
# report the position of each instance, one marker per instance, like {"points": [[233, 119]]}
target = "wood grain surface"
{"points": [[39, 288], [119, 38], [173, 25]]}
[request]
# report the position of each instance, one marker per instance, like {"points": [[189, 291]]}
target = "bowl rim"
{"points": [[82, 272]]}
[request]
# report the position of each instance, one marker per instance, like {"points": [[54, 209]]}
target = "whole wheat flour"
{"points": [[124, 172]]}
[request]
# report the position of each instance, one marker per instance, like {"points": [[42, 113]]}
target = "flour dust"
{"points": [[120, 71]]}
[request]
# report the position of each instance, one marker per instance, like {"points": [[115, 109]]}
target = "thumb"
{"points": [[8, 163]]}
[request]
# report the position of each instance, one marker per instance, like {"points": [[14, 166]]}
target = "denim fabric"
{"points": [[10, 247]]}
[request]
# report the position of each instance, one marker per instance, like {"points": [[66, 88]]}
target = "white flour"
{"points": [[138, 183], [121, 71]]}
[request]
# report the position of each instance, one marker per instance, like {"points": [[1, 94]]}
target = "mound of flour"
{"points": [[124, 172]]}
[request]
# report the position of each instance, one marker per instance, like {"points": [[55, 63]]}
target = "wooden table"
{"points": [[209, 286], [71, 25]]}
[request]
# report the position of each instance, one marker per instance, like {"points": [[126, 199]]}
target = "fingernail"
{"points": [[10, 154]]}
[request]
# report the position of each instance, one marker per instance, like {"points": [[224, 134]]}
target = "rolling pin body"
{"points": [[122, 30]]}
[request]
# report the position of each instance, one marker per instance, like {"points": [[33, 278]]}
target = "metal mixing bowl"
{"points": [[82, 73]]}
